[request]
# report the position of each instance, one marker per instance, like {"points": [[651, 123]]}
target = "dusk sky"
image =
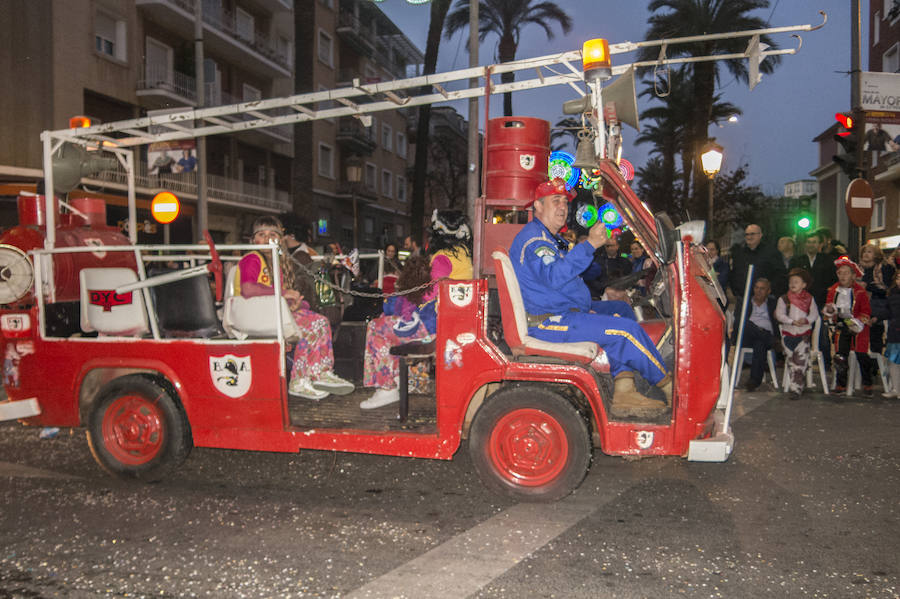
{"points": [[781, 115]]}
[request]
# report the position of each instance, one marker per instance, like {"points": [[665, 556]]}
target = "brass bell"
{"points": [[584, 153]]}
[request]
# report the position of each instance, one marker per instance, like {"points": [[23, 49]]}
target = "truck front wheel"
{"points": [[136, 429], [529, 443]]}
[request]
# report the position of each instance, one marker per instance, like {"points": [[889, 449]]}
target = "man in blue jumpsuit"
{"points": [[560, 308]]}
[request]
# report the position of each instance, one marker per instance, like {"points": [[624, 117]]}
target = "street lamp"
{"points": [[354, 176], [711, 158]]}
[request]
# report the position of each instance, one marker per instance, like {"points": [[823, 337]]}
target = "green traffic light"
{"points": [[804, 222]]}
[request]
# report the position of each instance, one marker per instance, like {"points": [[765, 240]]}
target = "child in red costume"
{"points": [[847, 307]]}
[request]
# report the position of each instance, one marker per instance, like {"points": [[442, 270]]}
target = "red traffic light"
{"points": [[846, 122]]}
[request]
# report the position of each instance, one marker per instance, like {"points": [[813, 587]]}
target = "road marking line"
{"points": [[18, 470], [464, 564], [469, 561]]}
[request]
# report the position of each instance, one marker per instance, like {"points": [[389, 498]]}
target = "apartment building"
{"points": [[884, 166], [446, 185], [882, 163], [120, 59], [352, 175]]}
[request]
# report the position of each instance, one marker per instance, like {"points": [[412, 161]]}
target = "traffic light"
{"points": [[848, 138], [804, 221]]}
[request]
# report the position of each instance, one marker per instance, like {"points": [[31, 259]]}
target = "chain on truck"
{"points": [[97, 335]]}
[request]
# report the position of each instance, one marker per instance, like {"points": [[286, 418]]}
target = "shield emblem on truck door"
{"points": [[231, 375]]}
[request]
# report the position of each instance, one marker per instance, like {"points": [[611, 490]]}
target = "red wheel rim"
{"points": [[529, 447], [133, 430]]}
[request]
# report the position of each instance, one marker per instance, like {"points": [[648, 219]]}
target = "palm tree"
{"points": [[507, 18], [697, 17], [565, 129], [439, 10], [670, 129]]}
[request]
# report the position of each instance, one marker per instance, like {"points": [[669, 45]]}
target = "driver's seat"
{"points": [[515, 320]]}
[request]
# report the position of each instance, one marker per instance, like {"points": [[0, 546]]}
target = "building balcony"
{"points": [[161, 89], [275, 6], [355, 33], [890, 163], [251, 50], [220, 190], [353, 137], [164, 88]]}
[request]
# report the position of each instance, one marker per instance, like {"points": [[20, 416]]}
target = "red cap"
{"points": [[554, 187], [846, 261]]}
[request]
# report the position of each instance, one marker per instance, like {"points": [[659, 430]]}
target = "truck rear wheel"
{"points": [[136, 429], [529, 443]]}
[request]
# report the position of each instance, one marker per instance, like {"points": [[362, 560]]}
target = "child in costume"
{"points": [[796, 311], [847, 308]]}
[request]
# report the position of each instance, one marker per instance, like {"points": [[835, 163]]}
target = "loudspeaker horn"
{"points": [[71, 162], [621, 93]]}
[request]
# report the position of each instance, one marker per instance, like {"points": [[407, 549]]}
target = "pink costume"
{"points": [[313, 354]]}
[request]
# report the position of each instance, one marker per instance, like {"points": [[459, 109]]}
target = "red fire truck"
{"points": [[97, 335]]}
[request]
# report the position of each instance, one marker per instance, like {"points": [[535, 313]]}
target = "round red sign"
{"points": [[858, 202]]}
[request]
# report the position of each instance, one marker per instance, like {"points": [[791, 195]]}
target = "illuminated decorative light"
{"points": [[627, 169], [610, 216], [560, 165], [590, 180]]}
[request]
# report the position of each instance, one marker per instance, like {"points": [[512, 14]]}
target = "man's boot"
{"points": [[628, 403], [666, 385]]}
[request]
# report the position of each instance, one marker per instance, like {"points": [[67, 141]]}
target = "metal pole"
{"points": [[132, 198], [856, 233], [472, 179], [202, 207], [736, 362], [355, 216], [709, 210]]}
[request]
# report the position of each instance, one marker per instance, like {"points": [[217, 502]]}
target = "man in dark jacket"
{"points": [[760, 330], [766, 260], [820, 266]]}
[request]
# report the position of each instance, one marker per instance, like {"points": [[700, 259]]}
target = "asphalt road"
{"points": [[807, 506]]}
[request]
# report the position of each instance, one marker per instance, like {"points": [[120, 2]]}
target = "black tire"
{"points": [[529, 443], [137, 430]]}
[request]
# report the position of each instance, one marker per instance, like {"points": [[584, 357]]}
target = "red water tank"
{"points": [[81, 231], [67, 266], [518, 150]]}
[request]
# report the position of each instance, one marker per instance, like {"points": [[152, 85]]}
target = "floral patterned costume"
{"points": [[402, 322], [313, 355]]}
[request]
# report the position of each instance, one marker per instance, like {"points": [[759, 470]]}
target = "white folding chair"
{"points": [[854, 376], [770, 358]]}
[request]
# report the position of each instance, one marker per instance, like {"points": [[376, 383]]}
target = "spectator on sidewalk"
{"points": [[766, 261], [760, 330]]}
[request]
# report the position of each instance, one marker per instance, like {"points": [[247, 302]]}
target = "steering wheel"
{"points": [[215, 265]]}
